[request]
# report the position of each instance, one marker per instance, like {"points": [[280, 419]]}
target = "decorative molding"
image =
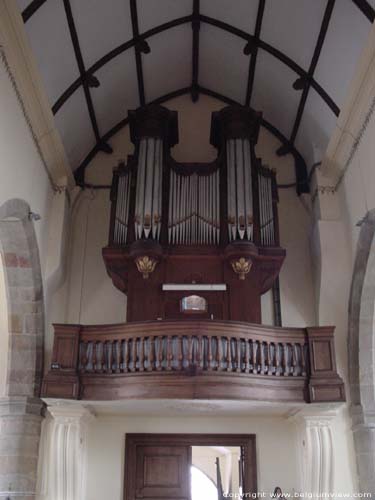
{"points": [[241, 266], [145, 265]]}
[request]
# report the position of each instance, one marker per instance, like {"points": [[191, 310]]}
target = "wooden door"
{"points": [[156, 472]]}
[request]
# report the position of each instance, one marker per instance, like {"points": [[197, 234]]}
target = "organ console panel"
{"points": [[194, 240]]}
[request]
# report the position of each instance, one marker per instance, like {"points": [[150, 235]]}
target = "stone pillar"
{"points": [[62, 453], [20, 421], [364, 440], [316, 452]]}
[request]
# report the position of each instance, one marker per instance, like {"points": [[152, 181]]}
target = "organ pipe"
{"points": [[240, 203], [149, 189]]}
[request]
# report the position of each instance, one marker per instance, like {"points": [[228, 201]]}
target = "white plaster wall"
{"points": [[21, 170], [91, 297], [22, 176], [276, 451]]}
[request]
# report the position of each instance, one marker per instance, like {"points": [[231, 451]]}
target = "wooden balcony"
{"points": [[193, 360]]}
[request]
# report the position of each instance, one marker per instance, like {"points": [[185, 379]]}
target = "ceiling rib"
{"points": [[300, 165], [366, 9], [253, 50], [84, 77], [31, 9], [305, 82], [214, 22], [195, 23], [138, 49]]}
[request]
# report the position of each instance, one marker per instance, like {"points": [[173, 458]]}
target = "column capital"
{"points": [[315, 416], [70, 413]]}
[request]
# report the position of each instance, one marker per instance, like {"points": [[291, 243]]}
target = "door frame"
{"points": [[247, 441]]}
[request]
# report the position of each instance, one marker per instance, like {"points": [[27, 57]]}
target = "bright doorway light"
{"points": [[202, 488]]}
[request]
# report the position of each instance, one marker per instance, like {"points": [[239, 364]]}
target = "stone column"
{"points": [[316, 452], [63, 453], [364, 439], [20, 421]]}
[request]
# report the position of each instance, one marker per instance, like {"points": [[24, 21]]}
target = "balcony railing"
{"points": [[193, 359]]}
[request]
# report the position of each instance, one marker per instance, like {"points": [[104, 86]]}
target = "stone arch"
{"points": [[361, 346], [20, 256]]}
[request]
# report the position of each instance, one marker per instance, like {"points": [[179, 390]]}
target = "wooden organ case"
{"points": [[194, 240]]}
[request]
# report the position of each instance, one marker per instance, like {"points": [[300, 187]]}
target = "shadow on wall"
{"points": [[24, 296]]}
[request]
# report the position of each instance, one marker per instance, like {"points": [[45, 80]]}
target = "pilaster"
{"points": [[63, 453]]}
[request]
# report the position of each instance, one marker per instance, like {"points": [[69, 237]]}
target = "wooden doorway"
{"points": [[157, 466]]}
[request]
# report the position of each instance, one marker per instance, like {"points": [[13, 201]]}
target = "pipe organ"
{"points": [[194, 224]]}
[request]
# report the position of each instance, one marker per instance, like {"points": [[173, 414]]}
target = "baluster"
{"points": [[179, 353], [94, 357], [133, 356], [294, 368], [160, 354], [99, 357], [247, 355], [229, 355], [303, 360], [255, 347], [121, 356], [269, 359], [151, 354], [219, 353], [117, 346], [198, 355], [109, 356], [190, 351], [277, 358], [285, 366], [209, 354], [201, 348], [125, 348], [84, 346], [141, 354], [169, 353], [262, 347], [238, 355]]}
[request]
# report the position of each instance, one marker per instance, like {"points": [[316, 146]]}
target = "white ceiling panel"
{"points": [[22, 4], [292, 26], [315, 129], [100, 28], [118, 91], [242, 15], [273, 92], [346, 36], [168, 66], [74, 125], [50, 40], [152, 13], [223, 67]]}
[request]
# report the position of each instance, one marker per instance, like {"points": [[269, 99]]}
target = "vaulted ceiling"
{"points": [[291, 59]]}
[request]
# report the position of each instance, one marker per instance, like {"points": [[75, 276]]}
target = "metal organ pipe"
{"points": [[149, 188], [122, 209], [194, 209], [267, 227], [240, 203]]}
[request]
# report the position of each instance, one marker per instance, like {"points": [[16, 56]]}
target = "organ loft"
{"points": [[194, 240], [194, 246]]}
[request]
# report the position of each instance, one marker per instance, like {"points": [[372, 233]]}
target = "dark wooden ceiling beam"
{"points": [[366, 9], [188, 19], [138, 49], [84, 78], [305, 82], [31, 9], [253, 50], [302, 184], [195, 23]]}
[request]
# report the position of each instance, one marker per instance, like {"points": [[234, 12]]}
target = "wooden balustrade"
{"points": [[193, 359]]}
